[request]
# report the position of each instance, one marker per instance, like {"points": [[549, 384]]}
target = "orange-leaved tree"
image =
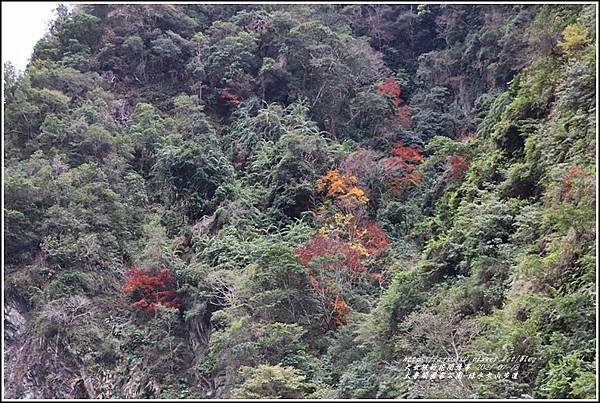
{"points": [[336, 256], [342, 188], [572, 174]]}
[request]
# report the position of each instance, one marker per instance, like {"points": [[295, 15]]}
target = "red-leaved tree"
{"points": [[400, 168], [404, 116], [390, 88], [412, 154], [230, 98], [458, 165], [320, 246], [338, 266], [468, 137], [149, 288], [370, 236]]}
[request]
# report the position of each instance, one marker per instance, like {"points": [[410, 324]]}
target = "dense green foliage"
{"points": [[332, 189]]}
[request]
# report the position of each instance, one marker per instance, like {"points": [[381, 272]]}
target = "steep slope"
{"points": [[263, 201]]}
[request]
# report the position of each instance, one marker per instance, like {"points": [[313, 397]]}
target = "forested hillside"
{"points": [[303, 201]]}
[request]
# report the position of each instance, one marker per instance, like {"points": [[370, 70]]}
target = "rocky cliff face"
{"points": [[17, 382], [40, 367], [288, 201], [30, 370]]}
